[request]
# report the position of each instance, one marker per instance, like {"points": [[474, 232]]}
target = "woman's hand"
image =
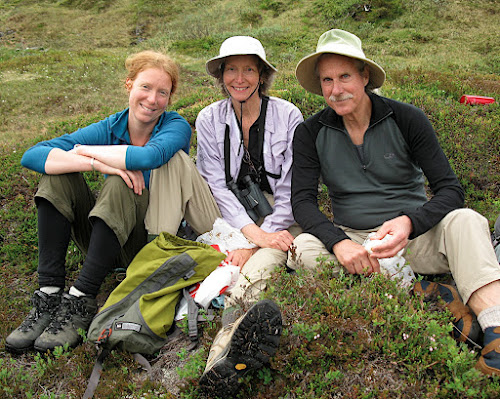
{"points": [[134, 179], [110, 160], [239, 257], [278, 240]]}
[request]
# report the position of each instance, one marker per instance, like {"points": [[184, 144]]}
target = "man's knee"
{"points": [[465, 218], [306, 251]]}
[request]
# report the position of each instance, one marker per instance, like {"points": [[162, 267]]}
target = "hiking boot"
{"points": [[73, 313], [466, 328], [489, 362], [247, 344], [23, 337]]}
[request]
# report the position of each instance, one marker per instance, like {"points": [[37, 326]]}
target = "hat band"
{"points": [[341, 49]]}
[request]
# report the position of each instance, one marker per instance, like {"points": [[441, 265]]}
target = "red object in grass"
{"points": [[476, 100]]}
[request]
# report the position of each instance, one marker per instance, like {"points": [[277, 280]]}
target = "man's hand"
{"points": [[239, 257], [400, 228], [355, 258]]}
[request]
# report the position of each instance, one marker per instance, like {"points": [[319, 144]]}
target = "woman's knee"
{"points": [[60, 186], [115, 183], [115, 191], [68, 193]]}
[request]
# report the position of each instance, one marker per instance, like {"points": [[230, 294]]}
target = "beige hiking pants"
{"points": [[177, 191], [256, 271], [459, 244]]}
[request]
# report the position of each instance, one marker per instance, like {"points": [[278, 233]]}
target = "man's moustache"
{"points": [[340, 98]]}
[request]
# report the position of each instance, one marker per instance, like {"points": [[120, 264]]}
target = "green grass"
{"points": [[61, 68]]}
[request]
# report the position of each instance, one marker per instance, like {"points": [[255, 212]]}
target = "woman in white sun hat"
{"points": [[245, 153]]}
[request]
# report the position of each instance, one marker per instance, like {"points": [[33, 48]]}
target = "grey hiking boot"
{"points": [[73, 313], [245, 345], [23, 337]]}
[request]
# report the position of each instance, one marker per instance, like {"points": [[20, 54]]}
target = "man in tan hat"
{"points": [[373, 153]]}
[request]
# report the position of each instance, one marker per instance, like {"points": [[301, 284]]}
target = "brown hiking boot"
{"points": [[489, 362], [247, 344], [466, 328]]}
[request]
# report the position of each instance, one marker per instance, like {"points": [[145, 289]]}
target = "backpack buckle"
{"points": [[105, 334]]}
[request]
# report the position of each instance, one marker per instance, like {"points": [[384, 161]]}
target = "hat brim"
{"points": [[309, 80], [213, 64]]}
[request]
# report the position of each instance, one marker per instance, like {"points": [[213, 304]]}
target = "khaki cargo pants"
{"points": [[459, 244]]}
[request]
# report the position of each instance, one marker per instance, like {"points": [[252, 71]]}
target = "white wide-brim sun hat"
{"points": [[237, 45], [336, 41]]}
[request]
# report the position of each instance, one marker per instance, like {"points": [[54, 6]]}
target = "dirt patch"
{"points": [[166, 365]]}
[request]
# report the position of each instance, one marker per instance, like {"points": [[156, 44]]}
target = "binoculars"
{"points": [[252, 198]]}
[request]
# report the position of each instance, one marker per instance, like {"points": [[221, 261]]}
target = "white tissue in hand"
{"points": [[226, 237], [394, 267]]}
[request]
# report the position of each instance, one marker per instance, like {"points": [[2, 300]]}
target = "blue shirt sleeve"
{"points": [[95, 134], [171, 134]]}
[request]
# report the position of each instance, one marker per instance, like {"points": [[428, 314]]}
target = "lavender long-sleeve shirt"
{"points": [[282, 118]]}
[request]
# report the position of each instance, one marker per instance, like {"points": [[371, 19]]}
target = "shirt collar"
{"points": [[119, 125], [380, 110]]}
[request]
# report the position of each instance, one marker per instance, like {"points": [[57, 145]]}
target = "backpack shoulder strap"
{"points": [[96, 375], [143, 362], [97, 371], [192, 316]]}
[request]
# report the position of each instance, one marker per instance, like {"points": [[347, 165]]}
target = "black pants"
{"points": [[109, 231]]}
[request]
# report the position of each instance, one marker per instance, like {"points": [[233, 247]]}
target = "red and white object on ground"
{"points": [[467, 99]]}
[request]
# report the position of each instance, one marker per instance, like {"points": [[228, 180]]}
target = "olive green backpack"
{"points": [[138, 316]]}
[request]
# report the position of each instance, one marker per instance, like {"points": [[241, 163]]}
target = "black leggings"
{"points": [[54, 232]]}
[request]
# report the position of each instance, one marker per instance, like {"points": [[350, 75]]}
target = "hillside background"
{"points": [[62, 67]]}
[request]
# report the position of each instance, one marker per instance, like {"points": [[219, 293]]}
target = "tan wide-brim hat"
{"points": [[336, 41], [237, 45]]}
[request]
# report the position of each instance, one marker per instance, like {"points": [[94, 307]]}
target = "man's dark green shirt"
{"points": [[400, 149]]}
